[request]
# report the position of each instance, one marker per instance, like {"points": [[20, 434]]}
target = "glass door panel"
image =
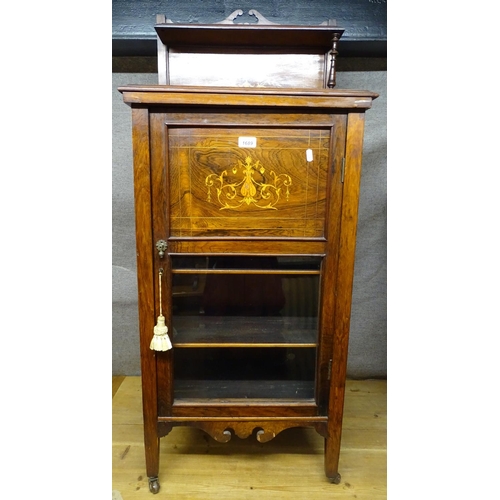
{"points": [[245, 327], [241, 373], [251, 300]]}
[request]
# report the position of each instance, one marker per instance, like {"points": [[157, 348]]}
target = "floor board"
{"points": [[117, 382], [193, 466]]}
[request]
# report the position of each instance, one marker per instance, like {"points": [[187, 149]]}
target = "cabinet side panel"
{"points": [[354, 147], [142, 194]]}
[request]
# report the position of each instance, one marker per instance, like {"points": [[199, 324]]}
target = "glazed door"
{"points": [[249, 205], [244, 327]]}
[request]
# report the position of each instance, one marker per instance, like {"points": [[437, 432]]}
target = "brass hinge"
{"points": [[330, 369], [342, 170]]}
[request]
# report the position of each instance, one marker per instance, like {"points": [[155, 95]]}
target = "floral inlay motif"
{"points": [[248, 190]]}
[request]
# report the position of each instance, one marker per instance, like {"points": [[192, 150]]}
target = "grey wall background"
{"points": [[367, 345]]}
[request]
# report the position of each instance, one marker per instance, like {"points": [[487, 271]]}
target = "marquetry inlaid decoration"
{"points": [[275, 188], [248, 189]]}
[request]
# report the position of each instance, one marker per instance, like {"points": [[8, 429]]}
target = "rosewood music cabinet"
{"points": [[247, 167]]}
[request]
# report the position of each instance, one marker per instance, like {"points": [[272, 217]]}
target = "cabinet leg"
{"points": [[152, 448], [332, 453]]}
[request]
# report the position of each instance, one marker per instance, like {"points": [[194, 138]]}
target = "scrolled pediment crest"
{"points": [[261, 20]]}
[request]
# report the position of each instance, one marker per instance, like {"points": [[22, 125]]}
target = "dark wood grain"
{"points": [[247, 246], [261, 97], [343, 289], [250, 35], [246, 408], [330, 262], [159, 220], [143, 201], [206, 189], [260, 374], [273, 55], [263, 429]]}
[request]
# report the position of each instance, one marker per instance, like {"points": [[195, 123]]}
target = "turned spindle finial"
{"points": [[333, 54]]}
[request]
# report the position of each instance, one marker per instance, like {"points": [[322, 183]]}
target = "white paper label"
{"points": [[247, 142], [309, 154]]}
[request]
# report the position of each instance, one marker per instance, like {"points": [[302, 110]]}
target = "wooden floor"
{"points": [[194, 466]]}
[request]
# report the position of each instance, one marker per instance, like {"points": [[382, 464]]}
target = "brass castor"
{"points": [[335, 479], [154, 485]]}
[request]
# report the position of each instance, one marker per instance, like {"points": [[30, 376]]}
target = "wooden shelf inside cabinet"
{"points": [[245, 331], [244, 391], [246, 206]]}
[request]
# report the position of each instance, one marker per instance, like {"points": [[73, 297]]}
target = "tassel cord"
{"points": [[161, 275], [161, 340]]}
